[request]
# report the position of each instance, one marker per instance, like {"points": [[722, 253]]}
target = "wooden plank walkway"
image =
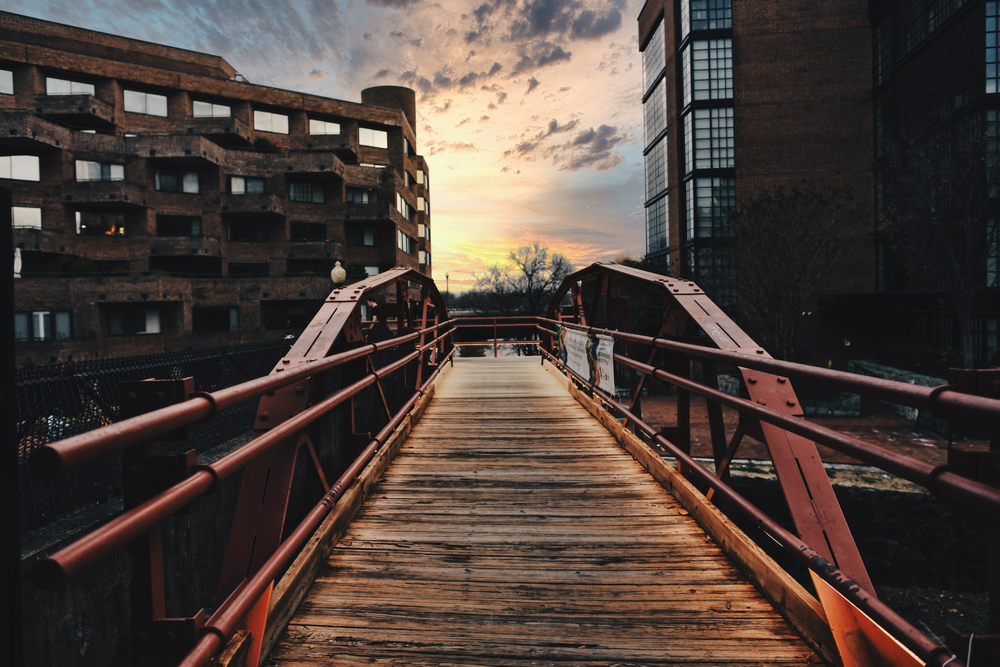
{"points": [[512, 529]]}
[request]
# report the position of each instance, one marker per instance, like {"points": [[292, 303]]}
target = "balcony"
{"points": [[104, 194], [77, 110], [258, 204], [25, 131], [378, 212], [308, 162], [229, 131], [178, 150], [344, 146]]}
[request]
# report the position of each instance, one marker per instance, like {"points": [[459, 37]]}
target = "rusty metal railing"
{"points": [[938, 479]]}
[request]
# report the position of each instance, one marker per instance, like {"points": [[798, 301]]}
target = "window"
{"points": [[209, 110], [246, 185], [421, 205], [424, 257], [362, 236], [654, 111], [656, 169], [656, 226], [177, 181], [6, 82], [26, 216], [402, 206], [371, 271], [372, 166], [42, 325], [178, 225], [129, 322], [215, 318], [355, 195], [323, 127], [707, 14], [99, 171], [708, 70], [150, 104], [252, 231], [89, 223], [20, 167], [710, 202], [992, 48], [993, 254], [404, 242], [249, 268], [54, 86], [307, 231], [654, 58], [265, 121], [373, 138], [309, 193], [709, 139], [420, 176], [883, 51]]}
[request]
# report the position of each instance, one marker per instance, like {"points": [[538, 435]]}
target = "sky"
{"points": [[528, 111]]}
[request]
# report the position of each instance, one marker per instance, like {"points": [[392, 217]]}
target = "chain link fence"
{"points": [[61, 400]]}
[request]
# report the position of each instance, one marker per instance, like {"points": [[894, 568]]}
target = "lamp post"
{"points": [[338, 275], [446, 290]]}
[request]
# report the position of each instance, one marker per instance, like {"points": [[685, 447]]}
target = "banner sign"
{"points": [[591, 357]]}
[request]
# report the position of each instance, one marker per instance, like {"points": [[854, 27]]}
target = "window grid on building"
{"points": [[656, 169], [992, 48], [711, 14], [654, 111], [654, 58], [688, 143], [710, 202], [657, 218], [710, 76], [992, 132], [993, 253], [883, 51], [712, 137]]}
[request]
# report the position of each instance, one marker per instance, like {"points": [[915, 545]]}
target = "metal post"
{"points": [[494, 338]]}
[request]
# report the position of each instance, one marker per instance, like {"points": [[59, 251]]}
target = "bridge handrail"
{"points": [[935, 478], [924, 647], [63, 456]]}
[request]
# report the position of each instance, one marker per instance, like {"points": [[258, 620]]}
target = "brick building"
{"points": [[162, 202], [748, 97]]}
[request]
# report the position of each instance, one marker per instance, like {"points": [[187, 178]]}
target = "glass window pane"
{"points": [[221, 111], [237, 185], [201, 109], [25, 216], [62, 324], [255, 185], [88, 171], [24, 167], [6, 82], [117, 172], [191, 181], [156, 105], [262, 121], [79, 88], [21, 326], [55, 86], [135, 102], [152, 322]]}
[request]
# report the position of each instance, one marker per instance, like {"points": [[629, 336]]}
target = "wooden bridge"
{"points": [[513, 510], [513, 529]]}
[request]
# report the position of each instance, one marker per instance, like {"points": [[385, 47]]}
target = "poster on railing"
{"points": [[591, 356]]}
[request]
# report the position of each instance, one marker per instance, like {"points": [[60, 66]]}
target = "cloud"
{"points": [[540, 55], [590, 25], [381, 74], [463, 122], [526, 147], [393, 4], [591, 149], [316, 73], [532, 84]]}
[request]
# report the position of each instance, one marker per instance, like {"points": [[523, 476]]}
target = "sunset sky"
{"points": [[529, 111]]}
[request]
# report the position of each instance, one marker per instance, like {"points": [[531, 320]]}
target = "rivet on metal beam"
{"points": [[752, 379], [760, 351], [264, 415], [762, 402], [782, 380], [299, 389], [790, 403], [286, 361]]}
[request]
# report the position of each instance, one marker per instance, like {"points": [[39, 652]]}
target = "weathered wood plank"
{"points": [[513, 529]]}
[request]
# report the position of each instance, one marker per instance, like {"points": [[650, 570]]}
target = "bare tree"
{"points": [[941, 219], [524, 285], [788, 254]]}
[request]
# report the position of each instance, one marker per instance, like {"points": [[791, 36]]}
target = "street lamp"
{"points": [[338, 275], [446, 290]]}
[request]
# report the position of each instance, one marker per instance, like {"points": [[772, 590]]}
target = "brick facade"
{"points": [[165, 228]]}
